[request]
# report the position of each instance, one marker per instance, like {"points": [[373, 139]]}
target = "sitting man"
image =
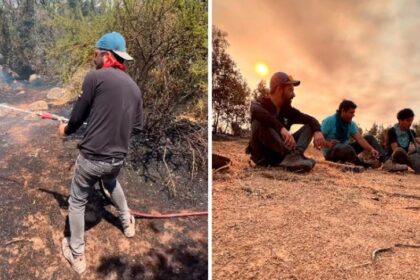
{"points": [[402, 142], [271, 118], [339, 128]]}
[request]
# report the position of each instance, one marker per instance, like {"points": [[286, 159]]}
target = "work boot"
{"points": [[374, 163], [360, 162], [400, 156], [296, 163], [390, 166], [129, 227], [78, 263], [310, 159]]}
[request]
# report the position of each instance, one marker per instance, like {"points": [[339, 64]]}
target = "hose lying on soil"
{"points": [[165, 216]]}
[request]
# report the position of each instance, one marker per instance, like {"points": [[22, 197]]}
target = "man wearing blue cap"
{"points": [[271, 118], [112, 103]]}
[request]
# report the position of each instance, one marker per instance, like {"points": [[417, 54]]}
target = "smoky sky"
{"points": [[365, 51]]}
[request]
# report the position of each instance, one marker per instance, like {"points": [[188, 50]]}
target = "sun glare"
{"points": [[261, 69]]}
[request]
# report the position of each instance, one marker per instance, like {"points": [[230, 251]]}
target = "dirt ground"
{"points": [[36, 169], [271, 224]]}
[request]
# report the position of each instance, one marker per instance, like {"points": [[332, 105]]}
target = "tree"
{"points": [[261, 91], [230, 92], [416, 128], [374, 130]]}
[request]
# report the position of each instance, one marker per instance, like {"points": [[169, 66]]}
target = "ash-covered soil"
{"points": [[36, 169], [271, 224]]}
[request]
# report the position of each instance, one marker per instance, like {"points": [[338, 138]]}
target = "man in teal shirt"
{"points": [[339, 128]]}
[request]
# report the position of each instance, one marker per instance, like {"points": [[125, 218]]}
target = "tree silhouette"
{"points": [[230, 92]]}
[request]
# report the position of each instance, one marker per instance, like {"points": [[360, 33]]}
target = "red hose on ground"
{"points": [[151, 216], [164, 216]]}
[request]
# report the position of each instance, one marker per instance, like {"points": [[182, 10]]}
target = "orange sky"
{"points": [[365, 51]]}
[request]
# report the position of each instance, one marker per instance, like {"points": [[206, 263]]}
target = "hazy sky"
{"points": [[365, 51]]}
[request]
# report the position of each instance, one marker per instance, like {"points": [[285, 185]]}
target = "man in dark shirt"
{"points": [[112, 103], [402, 141], [271, 118]]}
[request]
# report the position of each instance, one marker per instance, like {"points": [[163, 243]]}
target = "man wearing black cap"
{"points": [[271, 118]]}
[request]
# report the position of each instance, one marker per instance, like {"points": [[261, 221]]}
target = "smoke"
{"points": [[365, 51]]}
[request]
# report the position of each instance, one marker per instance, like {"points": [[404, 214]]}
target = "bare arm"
{"points": [[365, 145]]}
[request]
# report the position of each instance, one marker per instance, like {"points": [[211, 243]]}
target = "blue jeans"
{"points": [[267, 145], [87, 173]]}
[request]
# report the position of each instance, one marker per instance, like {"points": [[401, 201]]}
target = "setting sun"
{"points": [[261, 69]]}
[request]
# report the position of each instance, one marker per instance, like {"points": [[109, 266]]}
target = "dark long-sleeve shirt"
{"points": [[112, 103], [266, 113]]}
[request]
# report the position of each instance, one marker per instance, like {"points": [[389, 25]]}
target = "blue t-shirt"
{"points": [[329, 129]]}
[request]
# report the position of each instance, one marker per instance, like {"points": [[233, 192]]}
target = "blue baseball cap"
{"points": [[114, 42], [281, 78]]}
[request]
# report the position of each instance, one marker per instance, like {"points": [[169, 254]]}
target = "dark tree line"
{"points": [[230, 92], [167, 38]]}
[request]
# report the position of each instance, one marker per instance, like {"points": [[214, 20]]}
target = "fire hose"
{"points": [[46, 115]]}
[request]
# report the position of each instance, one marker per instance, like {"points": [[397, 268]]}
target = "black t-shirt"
{"points": [[392, 138], [113, 104]]}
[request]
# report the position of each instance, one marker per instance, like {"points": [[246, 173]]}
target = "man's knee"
{"points": [[261, 132], [370, 138], [307, 127], [343, 152], [77, 204]]}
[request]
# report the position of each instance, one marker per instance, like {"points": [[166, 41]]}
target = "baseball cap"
{"points": [[115, 42], [281, 78]]}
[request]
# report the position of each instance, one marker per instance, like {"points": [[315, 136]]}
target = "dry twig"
{"points": [[16, 240], [377, 251], [222, 167], [345, 167], [171, 182], [406, 195]]}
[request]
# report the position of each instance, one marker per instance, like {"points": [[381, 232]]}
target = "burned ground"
{"points": [[35, 175], [271, 224]]}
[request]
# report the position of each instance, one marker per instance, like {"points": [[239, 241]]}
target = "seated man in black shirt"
{"points": [[271, 118], [401, 141]]}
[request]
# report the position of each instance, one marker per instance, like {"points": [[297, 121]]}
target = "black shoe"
{"points": [[310, 159], [296, 163]]}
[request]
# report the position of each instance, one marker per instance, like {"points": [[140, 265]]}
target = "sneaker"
{"points": [[296, 163], [130, 227], [390, 166], [400, 156], [78, 263]]}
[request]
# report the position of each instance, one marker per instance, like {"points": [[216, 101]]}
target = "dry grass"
{"points": [[271, 224]]}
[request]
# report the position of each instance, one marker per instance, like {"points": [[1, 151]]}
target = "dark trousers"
{"points": [[267, 146], [349, 152]]}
